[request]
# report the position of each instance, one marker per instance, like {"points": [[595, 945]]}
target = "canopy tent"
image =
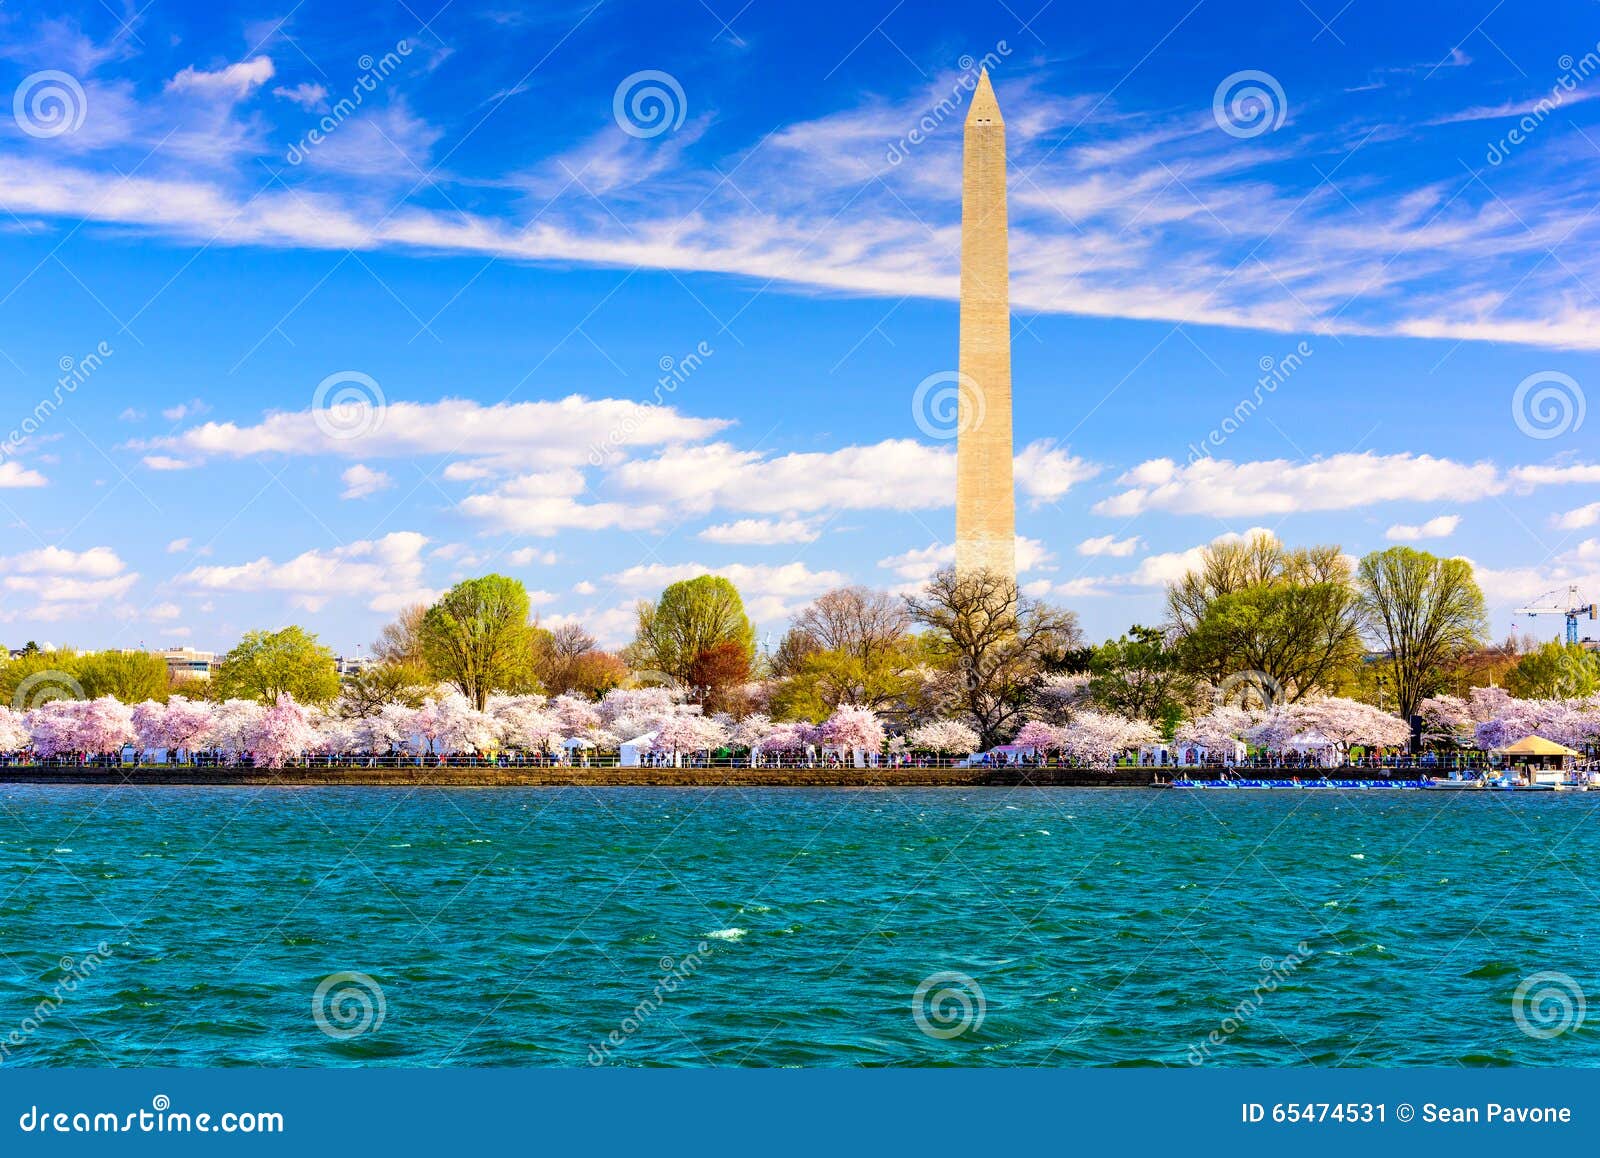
{"points": [[1188, 755], [630, 751], [1314, 743], [572, 742]]}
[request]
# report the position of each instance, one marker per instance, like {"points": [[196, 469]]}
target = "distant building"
{"points": [[185, 663], [353, 665]]}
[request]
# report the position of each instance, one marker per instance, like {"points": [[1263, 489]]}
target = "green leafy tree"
{"points": [[478, 638], [851, 646], [19, 688], [267, 664], [130, 676], [1254, 606], [1555, 671], [691, 617], [1142, 677], [1426, 613]]}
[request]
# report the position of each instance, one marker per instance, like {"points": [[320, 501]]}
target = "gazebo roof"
{"points": [[1536, 746]]}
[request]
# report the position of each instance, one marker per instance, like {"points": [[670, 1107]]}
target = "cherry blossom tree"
{"points": [[53, 728], [1447, 718], [233, 725], [1097, 739], [1219, 729], [281, 733], [13, 733], [857, 731], [947, 737], [524, 723], [1342, 722], [1040, 736]]}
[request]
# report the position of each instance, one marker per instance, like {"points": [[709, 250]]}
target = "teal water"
{"points": [[524, 927]]}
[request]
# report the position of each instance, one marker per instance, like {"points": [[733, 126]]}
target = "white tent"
{"points": [[572, 742], [1315, 742], [629, 752]]}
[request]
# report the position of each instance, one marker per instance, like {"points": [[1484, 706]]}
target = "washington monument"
{"points": [[986, 524]]}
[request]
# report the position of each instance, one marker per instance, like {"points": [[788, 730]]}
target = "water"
{"points": [[525, 927]]}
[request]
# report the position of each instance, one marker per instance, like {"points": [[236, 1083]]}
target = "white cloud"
{"points": [[1227, 489], [1441, 527], [466, 472], [236, 80], [569, 432], [1110, 545], [307, 96], [177, 545], [584, 587], [1577, 519], [1045, 472], [386, 571], [166, 462], [547, 503], [361, 481], [526, 556], [61, 582], [14, 474], [762, 532], [1549, 475], [163, 612], [184, 410]]}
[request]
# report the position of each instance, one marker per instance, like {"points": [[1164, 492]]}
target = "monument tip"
{"points": [[985, 109]]}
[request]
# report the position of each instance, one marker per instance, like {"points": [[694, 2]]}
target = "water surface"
{"points": [[782, 927]]}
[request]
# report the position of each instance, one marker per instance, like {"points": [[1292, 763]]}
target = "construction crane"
{"points": [[1570, 604]]}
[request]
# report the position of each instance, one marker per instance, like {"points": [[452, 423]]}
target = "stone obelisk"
{"points": [[986, 526]]}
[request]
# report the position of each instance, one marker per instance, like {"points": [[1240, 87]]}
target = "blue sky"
{"points": [[502, 257]]}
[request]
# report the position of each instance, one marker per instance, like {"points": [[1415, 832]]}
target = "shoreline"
{"points": [[157, 776]]}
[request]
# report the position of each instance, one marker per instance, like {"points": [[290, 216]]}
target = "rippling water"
{"points": [[793, 927]]}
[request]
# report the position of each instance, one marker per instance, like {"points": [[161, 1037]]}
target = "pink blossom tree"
{"points": [[1097, 739], [13, 733], [1219, 730], [946, 737], [855, 730], [1040, 736], [283, 732]]}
